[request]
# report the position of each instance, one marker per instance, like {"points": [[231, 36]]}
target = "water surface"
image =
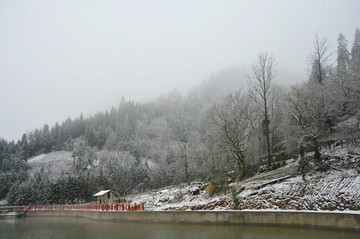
{"points": [[68, 228]]}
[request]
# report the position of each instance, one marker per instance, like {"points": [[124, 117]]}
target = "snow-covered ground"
{"points": [[181, 198], [337, 189], [54, 164]]}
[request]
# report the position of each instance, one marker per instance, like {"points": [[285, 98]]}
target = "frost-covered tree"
{"points": [[310, 110], [341, 84], [24, 147], [262, 93], [181, 126], [318, 60], [216, 162], [343, 57], [55, 135], [111, 141], [233, 124], [47, 140], [83, 154], [355, 55]]}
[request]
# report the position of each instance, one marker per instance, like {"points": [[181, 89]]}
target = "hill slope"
{"points": [[338, 188], [53, 164]]}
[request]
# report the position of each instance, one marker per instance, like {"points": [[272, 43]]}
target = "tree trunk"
{"points": [[241, 164], [242, 171], [264, 71], [317, 154], [187, 173], [268, 141], [186, 166]]}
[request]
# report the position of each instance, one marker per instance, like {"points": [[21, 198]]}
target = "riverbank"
{"points": [[326, 220]]}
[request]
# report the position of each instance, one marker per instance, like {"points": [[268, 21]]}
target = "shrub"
{"points": [[210, 190], [235, 199]]}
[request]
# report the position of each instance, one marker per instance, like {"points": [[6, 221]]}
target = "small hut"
{"points": [[105, 196]]}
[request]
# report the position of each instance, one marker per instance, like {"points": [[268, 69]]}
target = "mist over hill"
{"points": [[236, 123]]}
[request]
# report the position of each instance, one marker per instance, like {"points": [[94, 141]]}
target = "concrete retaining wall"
{"points": [[338, 221]]}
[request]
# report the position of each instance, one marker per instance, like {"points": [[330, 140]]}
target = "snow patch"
{"points": [[333, 191], [53, 164], [36, 158]]}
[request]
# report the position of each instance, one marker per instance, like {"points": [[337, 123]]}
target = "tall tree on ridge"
{"points": [[262, 92], [343, 56], [355, 55], [343, 80], [318, 60], [24, 146]]}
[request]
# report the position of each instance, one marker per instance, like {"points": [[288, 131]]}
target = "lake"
{"points": [[69, 227]]}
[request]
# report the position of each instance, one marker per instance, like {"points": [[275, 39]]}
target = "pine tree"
{"points": [[47, 140], [343, 57], [24, 147], [55, 135], [355, 54], [343, 80]]}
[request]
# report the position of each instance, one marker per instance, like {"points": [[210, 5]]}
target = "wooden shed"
{"points": [[105, 197]]}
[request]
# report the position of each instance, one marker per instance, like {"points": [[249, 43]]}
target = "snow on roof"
{"points": [[100, 193]]}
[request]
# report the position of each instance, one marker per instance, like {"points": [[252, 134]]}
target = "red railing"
{"points": [[90, 207], [12, 208]]}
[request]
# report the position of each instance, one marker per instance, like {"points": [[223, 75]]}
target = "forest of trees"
{"points": [[206, 135]]}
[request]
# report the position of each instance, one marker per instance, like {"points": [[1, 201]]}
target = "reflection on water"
{"points": [[66, 228]]}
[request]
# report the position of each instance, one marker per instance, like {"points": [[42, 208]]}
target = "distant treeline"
{"points": [[214, 133]]}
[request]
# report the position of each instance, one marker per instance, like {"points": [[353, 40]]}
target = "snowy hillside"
{"points": [[335, 189], [53, 164]]}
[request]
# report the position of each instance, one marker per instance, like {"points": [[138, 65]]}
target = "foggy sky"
{"points": [[63, 58]]}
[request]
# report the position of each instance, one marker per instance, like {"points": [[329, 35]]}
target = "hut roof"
{"points": [[100, 193]]}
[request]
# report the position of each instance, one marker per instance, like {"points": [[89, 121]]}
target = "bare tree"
{"points": [[309, 111], [262, 92], [182, 127], [233, 121], [318, 60]]}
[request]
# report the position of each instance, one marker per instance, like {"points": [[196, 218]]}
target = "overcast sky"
{"points": [[61, 58]]}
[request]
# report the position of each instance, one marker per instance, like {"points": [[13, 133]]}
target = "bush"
{"points": [[210, 190], [235, 199]]}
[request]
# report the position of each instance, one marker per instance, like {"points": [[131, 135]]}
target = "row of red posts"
{"points": [[91, 207]]}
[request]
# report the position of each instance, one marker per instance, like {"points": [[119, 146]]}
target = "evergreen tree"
{"points": [[344, 85], [47, 140], [55, 135], [83, 154], [343, 57], [355, 55], [4, 152], [24, 147]]}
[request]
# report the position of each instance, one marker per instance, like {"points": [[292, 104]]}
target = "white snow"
{"points": [[306, 211], [53, 164], [100, 193], [180, 198], [330, 191], [3, 202], [36, 158], [337, 189]]}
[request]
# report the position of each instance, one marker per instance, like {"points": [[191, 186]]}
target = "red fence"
{"points": [[90, 207], [4, 209]]}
